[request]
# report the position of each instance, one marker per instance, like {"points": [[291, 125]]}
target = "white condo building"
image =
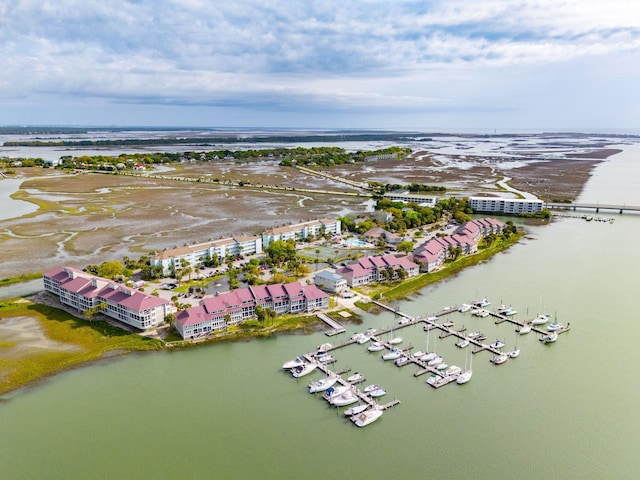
{"points": [[408, 197], [300, 231], [512, 206]]}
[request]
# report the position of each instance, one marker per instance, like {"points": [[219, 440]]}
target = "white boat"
{"points": [[462, 343], [475, 335], [453, 370], [357, 336], [524, 329], [465, 307], [322, 384], [303, 370], [347, 398], [332, 392], [403, 360], [497, 344], [326, 359], [356, 409], [514, 353], [549, 338], [363, 339], [370, 388], [392, 354], [378, 392], [465, 376], [296, 362], [541, 319], [375, 347], [367, 417], [483, 302], [441, 366], [482, 313], [357, 377], [428, 356], [436, 361], [395, 341], [419, 354], [552, 327], [500, 359]]}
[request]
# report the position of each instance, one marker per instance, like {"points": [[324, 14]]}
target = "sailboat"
{"points": [[394, 340], [465, 376], [516, 351], [526, 326]]}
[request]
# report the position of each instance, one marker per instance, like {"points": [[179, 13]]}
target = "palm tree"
{"points": [[317, 256]]}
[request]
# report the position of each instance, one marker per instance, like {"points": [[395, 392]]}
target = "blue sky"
{"points": [[450, 64]]}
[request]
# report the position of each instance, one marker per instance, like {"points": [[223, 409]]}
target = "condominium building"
{"points": [[366, 270], [236, 306], [301, 231], [83, 291], [511, 206], [408, 197]]}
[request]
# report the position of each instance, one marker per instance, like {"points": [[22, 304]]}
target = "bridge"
{"points": [[592, 206]]}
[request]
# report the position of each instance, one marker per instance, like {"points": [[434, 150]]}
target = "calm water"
{"points": [[567, 410]]}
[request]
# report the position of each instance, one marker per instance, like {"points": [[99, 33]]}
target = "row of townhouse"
{"points": [[197, 253], [366, 270], [512, 206], [433, 253], [300, 231], [83, 291], [236, 306]]}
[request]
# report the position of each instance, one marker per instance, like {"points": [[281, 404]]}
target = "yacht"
{"points": [[465, 307], [303, 370], [333, 392], [497, 344], [483, 302], [526, 328], [296, 362], [375, 347], [428, 357], [378, 392], [357, 377], [500, 359], [436, 361], [392, 354], [549, 338], [464, 377], [541, 319], [356, 409], [462, 343], [367, 417], [347, 398], [395, 341], [322, 384], [371, 388]]}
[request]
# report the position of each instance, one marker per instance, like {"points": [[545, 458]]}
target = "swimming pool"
{"points": [[354, 242]]}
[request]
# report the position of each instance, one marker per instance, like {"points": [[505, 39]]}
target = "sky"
{"points": [[482, 65]]}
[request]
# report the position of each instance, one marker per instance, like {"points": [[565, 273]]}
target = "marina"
{"points": [[440, 374]]}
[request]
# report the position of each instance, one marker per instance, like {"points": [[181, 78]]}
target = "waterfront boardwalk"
{"points": [[336, 328]]}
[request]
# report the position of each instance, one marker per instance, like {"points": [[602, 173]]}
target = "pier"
{"points": [[336, 327], [592, 206]]}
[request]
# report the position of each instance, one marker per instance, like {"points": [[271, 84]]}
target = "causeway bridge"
{"points": [[592, 206]]}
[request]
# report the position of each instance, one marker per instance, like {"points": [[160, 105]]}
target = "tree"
{"points": [[405, 247], [170, 318], [402, 273], [280, 251], [110, 269]]}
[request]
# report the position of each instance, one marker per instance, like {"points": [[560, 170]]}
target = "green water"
{"points": [[561, 411]]}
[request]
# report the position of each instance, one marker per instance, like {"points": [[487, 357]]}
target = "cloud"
{"points": [[393, 56]]}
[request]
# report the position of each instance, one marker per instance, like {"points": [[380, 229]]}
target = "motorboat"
{"points": [[326, 359], [433, 379], [436, 361], [465, 307], [474, 335], [453, 370], [500, 359], [497, 344], [462, 343], [367, 417], [483, 302], [359, 337], [303, 370], [441, 366], [395, 341], [482, 313], [419, 354], [392, 354], [378, 392], [549, 338], [526, 328], [375, 347], [296, 362], [347, 398], [356, 409], [514, 353], [464, 377], [403, 360], [322, 384], [363, 339], [428, 357], [332, 392], [357, 377], [552, 327], [541, 319], [371, 388], [509, 312]]}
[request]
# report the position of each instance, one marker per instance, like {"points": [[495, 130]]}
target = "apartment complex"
{"points": [[366, 270], [301, 231], [434, 252], [408, 197], [83, 291], [511, 206], [236, 306]]}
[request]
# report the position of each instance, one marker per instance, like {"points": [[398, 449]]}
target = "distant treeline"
{"points": [[211, 141]]}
